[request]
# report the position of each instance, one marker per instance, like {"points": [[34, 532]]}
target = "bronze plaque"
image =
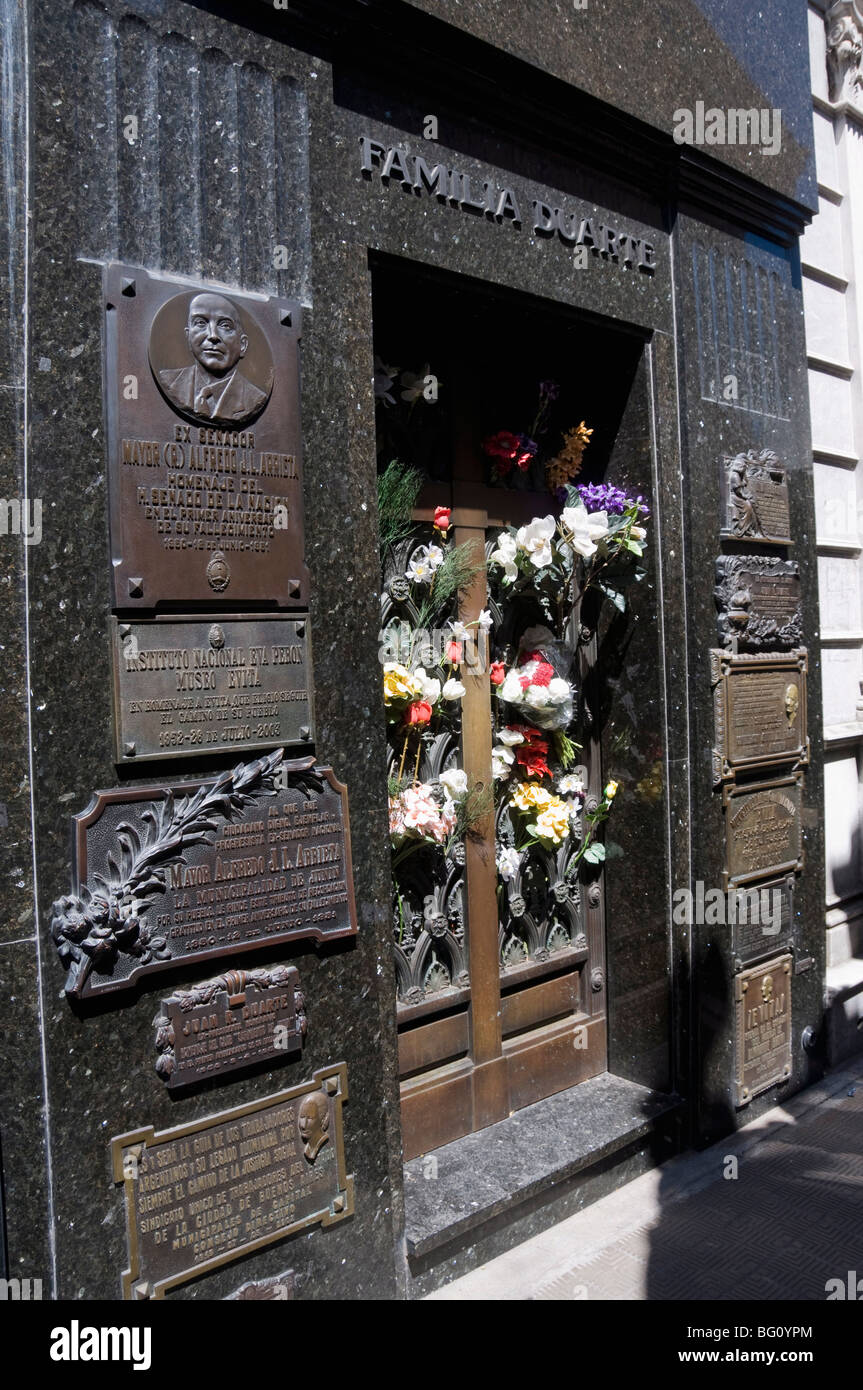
{"points": [[221, 1188], [755, 498], [762, 829], [233, 1021], [190, 685], [168, 875], [762, 1000], [204, 456], [758, 598], [759, 708], [763, 921]]}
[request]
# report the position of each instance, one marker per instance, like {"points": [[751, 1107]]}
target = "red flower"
{"points": [[532, 759], [441, 518], [542, 675], [420, 712], [532, 737], [497, 673], [454, 653]]}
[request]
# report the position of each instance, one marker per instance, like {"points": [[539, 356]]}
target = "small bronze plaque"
{"points": [[178, 874], [186, 686], [204, 459], [220, 1188], [762, 829], [755, 498], [763, 921], [762, 999], [759, 709], [221, 1025], [758, 598]]}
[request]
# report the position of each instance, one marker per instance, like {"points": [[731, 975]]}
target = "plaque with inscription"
{"points": [[186, 686], [221, 1188], [204, 459], [168, 875], [759, 710], [763, 921], [233, 1021], [758, 598], [762, 1002], [763, 832], [755, 498]]}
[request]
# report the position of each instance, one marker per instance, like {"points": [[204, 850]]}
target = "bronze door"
{"points": [[501, 985]]}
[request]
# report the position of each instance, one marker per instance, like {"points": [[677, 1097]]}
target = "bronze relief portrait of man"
{"points": [[217, 368]]}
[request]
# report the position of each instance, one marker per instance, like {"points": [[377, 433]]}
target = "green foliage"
{"points": [[452, 579], [565, 749], [398, 489]]}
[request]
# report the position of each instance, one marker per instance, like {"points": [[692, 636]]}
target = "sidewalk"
{"points": [[773, 1212]]}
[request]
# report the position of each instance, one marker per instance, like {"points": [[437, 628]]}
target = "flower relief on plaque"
{"points": [[488, 641]]}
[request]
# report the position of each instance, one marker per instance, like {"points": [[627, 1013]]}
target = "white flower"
{"points": [[383, 380], [455, 781], [510, 737], [535, 540], [586, 528], [637, 533], [511, 690], [571, 785], [453, 689], [429, 688], [501, 760], [508, 862], [459, 631], [558, 691], [484, 621], [505, 555], [419, 571], [424, 563]]}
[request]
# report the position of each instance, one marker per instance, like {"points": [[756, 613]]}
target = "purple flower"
{"points": [[548, 390], [605, 497]]}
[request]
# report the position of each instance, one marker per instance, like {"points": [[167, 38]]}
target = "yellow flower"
{"points": [[529, 797], [611, 790], [399, 684], [552, 824]]}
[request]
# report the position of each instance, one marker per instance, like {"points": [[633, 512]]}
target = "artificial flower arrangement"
{"points": [[419, 704], [516, 452], [597, 542]]}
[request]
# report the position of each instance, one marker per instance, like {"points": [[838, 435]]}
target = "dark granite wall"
{"points": [[216, 180], [245, 144]]}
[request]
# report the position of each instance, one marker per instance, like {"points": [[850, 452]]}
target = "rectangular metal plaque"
{"points": [[768, 929], [762, 1001], [191, 685], [759, 708], [221, 1188], [200, 870], [758, 598], [763, 832], [233, 1021], [204, 458], [755, 498]]}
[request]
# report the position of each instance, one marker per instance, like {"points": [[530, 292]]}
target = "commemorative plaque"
{"points": [[763, 922], [186, 686], [755, 498], [233, 1021], [759, 708], [762, 1001], [758, 602], [763, 832], [221, 1188], [204, 459], [175, 874]]}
